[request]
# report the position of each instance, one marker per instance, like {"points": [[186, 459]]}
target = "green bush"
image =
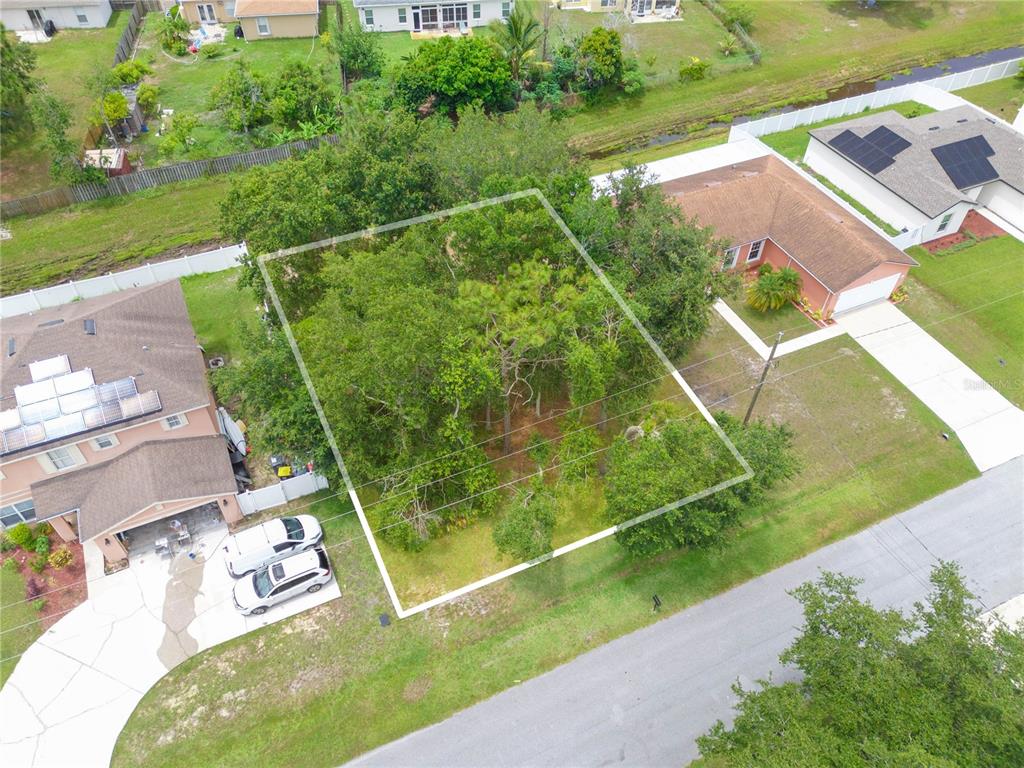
{"points": [[525, 531], [632, 78], [6, 545], [576, 457], [22, 536], [38, 563], [212, 50], [10, 565], [130, 72], [39, 604], [178, 48], [42, 529], [773, 288], [61, 558], [42, 545], [693, 70], [146, 97], [739, 13]]}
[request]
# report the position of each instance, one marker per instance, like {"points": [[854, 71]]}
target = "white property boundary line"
{"points": [[367, 530]]}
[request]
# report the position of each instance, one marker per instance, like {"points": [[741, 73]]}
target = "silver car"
{"points": [[275, 583], [251, 549]]}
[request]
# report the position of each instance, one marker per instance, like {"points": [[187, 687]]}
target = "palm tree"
{"points": [[517, 37]]}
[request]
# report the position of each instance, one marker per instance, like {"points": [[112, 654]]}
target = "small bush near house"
{"points": [[693, 70], [130, 72], [212, 50], [42, 545], [61, 558], [39, 563], [21, 535], [6, 545], [773, 288], [10, 565], [42, 529]]}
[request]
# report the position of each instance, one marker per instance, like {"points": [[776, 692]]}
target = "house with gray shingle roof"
{"points": [[106, 419], [926, 171]]}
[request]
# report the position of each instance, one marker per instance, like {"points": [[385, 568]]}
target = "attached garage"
{"points": [[876, 290]]}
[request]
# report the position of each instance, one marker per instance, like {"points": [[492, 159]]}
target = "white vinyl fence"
{"points": [[926, 92], [65, 293], [281, 493]]}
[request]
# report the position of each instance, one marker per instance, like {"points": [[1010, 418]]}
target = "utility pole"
{"points": [[764, 375]]}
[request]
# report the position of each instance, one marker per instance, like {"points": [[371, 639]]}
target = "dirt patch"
{"points": [[477, 604], [416, 689], [894, 406]]}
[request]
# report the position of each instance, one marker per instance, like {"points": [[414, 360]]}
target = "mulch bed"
{"points": [[61, 589], [974, 224]]}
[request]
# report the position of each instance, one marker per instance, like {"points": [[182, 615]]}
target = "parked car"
{"points": [[302, 572], [253, 548]]}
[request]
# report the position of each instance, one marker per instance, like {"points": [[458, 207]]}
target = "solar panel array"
{"points": [[966, 161], [874, 152], [61, 402]]}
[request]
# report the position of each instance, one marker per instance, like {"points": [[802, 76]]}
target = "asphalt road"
{"points": [[641, 700]]}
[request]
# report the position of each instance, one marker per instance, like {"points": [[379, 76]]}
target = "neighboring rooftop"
{"points": [[139, 339], [763, 198], [930, 160], [156, 471], [248, 8]]}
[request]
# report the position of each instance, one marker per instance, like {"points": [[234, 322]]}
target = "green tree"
{"points": [[450, 73], [179, 140], [773, 288], [599, 58], [524, 532], [242, 96], [299, 94], [17, 84], [934, 688], [54, 116], [358, 52], [518, 36], [172, 33]]}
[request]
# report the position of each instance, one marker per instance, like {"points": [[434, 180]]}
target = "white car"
{"points": [[251, 549], [303, 572]]}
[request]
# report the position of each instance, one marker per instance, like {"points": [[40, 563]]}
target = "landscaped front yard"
{"points": [[788, 319], [869, 449], [971, 299]]}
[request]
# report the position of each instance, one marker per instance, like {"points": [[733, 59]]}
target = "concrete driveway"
{"points": [[990, 426], [75, 687]]}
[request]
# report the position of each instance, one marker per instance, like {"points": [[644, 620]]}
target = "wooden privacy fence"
{"points": [[126, 45], [155, 177]]}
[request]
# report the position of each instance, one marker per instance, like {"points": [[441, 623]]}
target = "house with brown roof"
{"points": [[106, 419], [259, 19], [770, 214]]}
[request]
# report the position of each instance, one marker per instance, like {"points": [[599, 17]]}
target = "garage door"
{"points": [[876, 290]]}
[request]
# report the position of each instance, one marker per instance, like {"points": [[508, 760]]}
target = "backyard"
{"points": [[868, 447], [64, 65], [970, 299], [1003, 97]]}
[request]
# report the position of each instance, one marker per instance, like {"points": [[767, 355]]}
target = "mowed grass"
{"points": [[869, 448], [19, 621], [788, 319], [809, 48], [972, 301], [218, 309], [64, 66], [111, 234], [1003, 97]]}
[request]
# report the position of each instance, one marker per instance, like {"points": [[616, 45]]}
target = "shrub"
{"points": [[21, 535], [773, 289], [730, 45], [212, 50], [739, 13], [576, 457], [6, 545], [38, 563], [61, 558], [10, 565], [632, 78], [42, 545], [693, 70], [525, 531], [130, 72], [39, 604], [42, 529], [146, 97]]}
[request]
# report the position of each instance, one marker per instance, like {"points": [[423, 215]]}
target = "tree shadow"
{"points": [[902, 14]]}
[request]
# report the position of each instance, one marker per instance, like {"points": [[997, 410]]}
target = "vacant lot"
{"points": [[809, 48], [972, 300], [869, 450], [1002, 98], [65, 65], [107, 235]]}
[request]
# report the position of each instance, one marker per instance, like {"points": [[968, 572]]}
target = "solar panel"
{"points": [[886, 140], [51, 366], [965, 161], [863, 153]]}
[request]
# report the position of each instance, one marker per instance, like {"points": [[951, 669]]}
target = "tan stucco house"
{"points": [[106, 419], [259, 19]]}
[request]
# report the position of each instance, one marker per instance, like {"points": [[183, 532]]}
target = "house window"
{"points": [[945, 222], [263, 25], [755, 252], [18, 512], [368, 17], [401, 15], [476, 10], [175, 421], [730, 258], [506, 9], [80, 15], [61, 458], [103, 442], [608, 3]]}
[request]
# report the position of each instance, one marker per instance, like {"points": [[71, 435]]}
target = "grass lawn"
{"points": [[971, 300], [869, 448], [14, 613], [809, 48], [766, 325], [1002, 98], [216, 311], [111, 234], [64, 65]]}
